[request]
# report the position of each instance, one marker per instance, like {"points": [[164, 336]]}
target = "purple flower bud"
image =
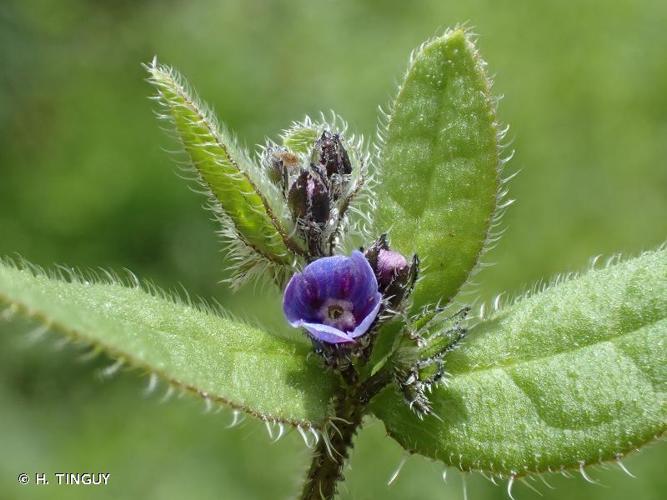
{"points": [[319, 202], [297, 198], [308, 198], [395, 275], [335, 299], [390, 265], [331, 156]]}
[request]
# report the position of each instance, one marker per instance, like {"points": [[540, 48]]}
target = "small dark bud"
{"points": [[318, 197], [396, 276], [278, 163], [297, 198], [308, 198], [390, 266], [330, 155]]}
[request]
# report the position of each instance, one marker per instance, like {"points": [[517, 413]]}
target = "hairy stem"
{"points": [[330, 456], [333, 449]]}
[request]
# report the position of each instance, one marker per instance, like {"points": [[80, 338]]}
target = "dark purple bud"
{"points": [[389, 266], [330, 155], [309, 199], [335, 299], [297, 198], [396, 276], [319, 202]]}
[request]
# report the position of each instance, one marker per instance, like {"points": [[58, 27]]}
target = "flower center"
{"points": [[338, 313], [335, 311]]}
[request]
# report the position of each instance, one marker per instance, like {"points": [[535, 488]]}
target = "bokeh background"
{"points": [[84, 181]]}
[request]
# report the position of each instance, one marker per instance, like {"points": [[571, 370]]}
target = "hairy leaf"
{"points": [[440, 164], [222, 167], [194, 348], [574, 375]]}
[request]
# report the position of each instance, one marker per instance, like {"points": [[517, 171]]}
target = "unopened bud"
{"points": [[308, 198], [330, 155], [390, 265], [395, 275], [318, 197], [278, 162], [297, 198]]}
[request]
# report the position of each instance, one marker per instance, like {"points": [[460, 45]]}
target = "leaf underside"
{"points": [[571, 376], [440, 165], [193, 347], [222, 167]]}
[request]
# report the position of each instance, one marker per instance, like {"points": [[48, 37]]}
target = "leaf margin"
{"points": [[251, 261], [501, 202], [11, 308], [579, 464]]}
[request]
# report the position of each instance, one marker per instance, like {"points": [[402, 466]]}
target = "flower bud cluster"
{"points": [[313, 188], [341, 302]]}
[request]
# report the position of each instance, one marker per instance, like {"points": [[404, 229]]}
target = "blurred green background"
{"points": [[84, 181]]}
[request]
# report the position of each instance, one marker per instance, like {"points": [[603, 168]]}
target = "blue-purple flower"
{"points": [[336, 299]]}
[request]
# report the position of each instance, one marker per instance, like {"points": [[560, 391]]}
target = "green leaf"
{"points": [[194, 348], [440, 165], [224, 170], [574, 375]]}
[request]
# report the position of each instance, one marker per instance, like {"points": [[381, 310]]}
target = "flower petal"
{"points": [[292, 306], [326, 333], [365, 295], [368, 320], [325, 274], [302, 298], [348, 280]]}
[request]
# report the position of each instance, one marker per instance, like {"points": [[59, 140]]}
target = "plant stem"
{"points": [[326, 469], [333, 448]]}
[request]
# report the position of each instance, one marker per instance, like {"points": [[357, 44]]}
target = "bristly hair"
{"points": [[502, 301], [121, 356], [247, 261], [494, 231], [354, 212]]}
